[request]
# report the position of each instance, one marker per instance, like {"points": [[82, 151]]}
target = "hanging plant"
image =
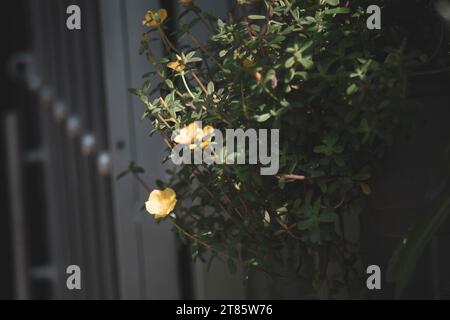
{"points": [[335, 91]]}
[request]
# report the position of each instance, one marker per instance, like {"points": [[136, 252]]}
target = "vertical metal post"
{"points": [[18, 224]]}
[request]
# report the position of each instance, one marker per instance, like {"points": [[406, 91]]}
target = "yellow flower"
{"points": [[257, 75], [150, 21], [188, 135], [176, 65], [248, 63], [192, 133], [208, 132], [161, 203], [185, 1]]}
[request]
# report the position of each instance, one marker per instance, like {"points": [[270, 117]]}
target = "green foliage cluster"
{"points": [[312, 69]]}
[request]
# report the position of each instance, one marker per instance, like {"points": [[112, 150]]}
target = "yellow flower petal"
{"points": [[189, 134], [149, 19], [204, 144], [192, 134], [162, 15], [176, 65], [257, 76], [161, 203], [182, 138], [208, 132], [148, 16], [248, 63]]}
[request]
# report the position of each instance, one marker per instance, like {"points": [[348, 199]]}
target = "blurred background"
{"points": [[69, 127]]}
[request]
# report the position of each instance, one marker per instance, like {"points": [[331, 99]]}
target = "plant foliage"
{"points": [[336, 91]]}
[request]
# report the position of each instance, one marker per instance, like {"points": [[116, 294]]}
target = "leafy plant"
{"points": [[336, 91]]}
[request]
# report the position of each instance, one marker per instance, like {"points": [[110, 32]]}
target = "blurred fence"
{"points": [[72, 129], [66, 207]]}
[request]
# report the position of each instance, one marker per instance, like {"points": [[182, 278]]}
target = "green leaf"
{"points": [[404, 260], [289, 62], [136, 92], [133, 168], [210, 88], [337, 11], [352, 89], [122, 174], [306, 62], [321, 149], [263, 117], [169, 83], [195, 59], [330, 2], [256, 17], [306, 46]]}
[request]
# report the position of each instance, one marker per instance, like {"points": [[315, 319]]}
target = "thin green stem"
{"points": [[187, 86]]}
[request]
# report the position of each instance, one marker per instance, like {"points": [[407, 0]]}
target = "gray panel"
{"points": [[146, 252], [78, 198], [18, 224]]}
